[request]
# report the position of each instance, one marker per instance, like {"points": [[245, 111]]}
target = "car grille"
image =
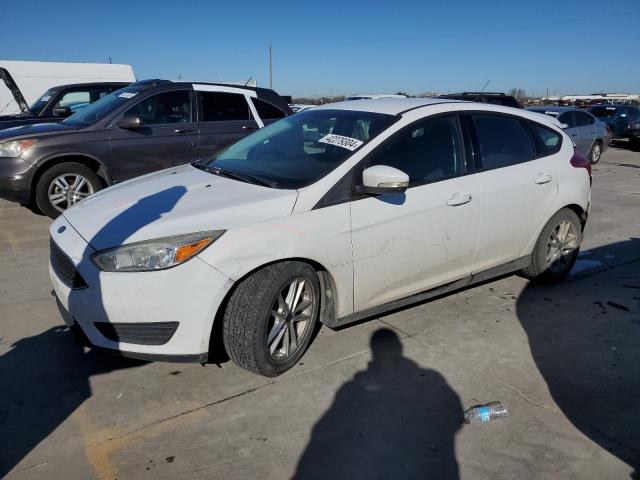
{"points": [[151, 333], [64, 268]]}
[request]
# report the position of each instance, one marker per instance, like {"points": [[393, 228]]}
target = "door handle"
{"points": [[458, 199], [542, 178], [182, 130]]}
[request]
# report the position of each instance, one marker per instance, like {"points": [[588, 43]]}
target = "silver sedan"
{"points": [[590, 135]]}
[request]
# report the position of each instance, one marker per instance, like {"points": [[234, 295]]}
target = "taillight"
{"points": [[578, 161]]}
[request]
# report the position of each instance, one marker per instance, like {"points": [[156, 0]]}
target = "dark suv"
{"points": [[56, 103], [147, 126], [622, 120], [495, 98]]}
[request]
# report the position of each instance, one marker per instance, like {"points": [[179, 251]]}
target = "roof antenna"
{"points": [[247, 82], [485, 86]]}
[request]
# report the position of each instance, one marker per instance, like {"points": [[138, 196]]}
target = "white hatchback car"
{"points": [[334, 214]]}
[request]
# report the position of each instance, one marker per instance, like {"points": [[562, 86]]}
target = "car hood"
{"points": [[38, 129], [171, 202]]}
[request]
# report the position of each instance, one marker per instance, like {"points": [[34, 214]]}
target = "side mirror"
{"points": [[381, 179], [564, 126], [63, 112], [130, 122]]}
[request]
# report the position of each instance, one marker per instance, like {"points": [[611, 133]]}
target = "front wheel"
{"points": [[270, 317], [64, 185], [556, 249]]}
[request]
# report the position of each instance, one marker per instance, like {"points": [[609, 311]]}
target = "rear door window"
{"points": [[568, 119], [266, 111], [582, 119], [164, 108], [547, 141], [503, 141], [223, 107]]}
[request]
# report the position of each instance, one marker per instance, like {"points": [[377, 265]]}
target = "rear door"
{"points": [[569, 120], [518, 189], [586, 131], [166, 138], [224, 118]]}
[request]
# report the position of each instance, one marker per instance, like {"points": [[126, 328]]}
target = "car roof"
{"points": [[551, 108], [91, 84], [390, 106]]}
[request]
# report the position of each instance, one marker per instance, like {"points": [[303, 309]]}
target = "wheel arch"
{"points": [[92, 162], [328, 303], [578, 210]]}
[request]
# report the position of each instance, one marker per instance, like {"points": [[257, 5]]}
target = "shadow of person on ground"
{"points": [[45, 378], [393, 420], [584, 337]]}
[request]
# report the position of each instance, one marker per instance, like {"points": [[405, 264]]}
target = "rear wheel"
{"points": [[64, 185], [556, 249], [595, 153], [270, 317]]}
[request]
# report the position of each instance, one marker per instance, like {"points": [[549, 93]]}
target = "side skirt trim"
{"points": [[467, 281]]}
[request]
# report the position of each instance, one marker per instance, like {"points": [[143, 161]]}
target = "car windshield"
{"points": [[98, 110], [40, 103], [602, 112], [299, 150]]}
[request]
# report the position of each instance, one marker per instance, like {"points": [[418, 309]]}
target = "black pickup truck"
{"points": [[55, 104]]}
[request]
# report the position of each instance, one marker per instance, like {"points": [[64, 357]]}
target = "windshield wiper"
{"points": [[243, 177]]}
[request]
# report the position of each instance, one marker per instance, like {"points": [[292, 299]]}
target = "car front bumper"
{"points": [[14, 179], [163, 315]]}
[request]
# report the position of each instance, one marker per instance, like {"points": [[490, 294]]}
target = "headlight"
{"points": [[15, 148], [156, 254]]}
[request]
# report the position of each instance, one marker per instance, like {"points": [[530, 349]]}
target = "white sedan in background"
{"points": [[330, 215]]}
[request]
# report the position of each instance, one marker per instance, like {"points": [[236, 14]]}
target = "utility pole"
{"points": [[270, 68]]}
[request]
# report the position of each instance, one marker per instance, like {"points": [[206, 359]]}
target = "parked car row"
{"points": [[147, 126], [331, 215]]}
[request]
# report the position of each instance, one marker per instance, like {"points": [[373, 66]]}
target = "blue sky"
{"points": [[330, 47]]}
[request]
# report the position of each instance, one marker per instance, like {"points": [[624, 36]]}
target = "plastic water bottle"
{"points": [[486, 413]]}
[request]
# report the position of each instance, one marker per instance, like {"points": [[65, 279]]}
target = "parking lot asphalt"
{"points": [[565, 359]]}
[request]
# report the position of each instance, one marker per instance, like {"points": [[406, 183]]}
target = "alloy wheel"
{"points": [[290, 318], [564, 239], [596, 151], [68, 189]]}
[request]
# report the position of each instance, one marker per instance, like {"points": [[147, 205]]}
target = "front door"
{"points": [[166, 138], [407, 243]]}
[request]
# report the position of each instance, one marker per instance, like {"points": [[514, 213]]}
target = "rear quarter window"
{"points": [[546, 140], [266, 111]]}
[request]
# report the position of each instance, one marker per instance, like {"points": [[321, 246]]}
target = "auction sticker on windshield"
{"points": [[128, 94], [340, 141]]}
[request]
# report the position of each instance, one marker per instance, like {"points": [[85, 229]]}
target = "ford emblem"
{"points": [[62, 229]]}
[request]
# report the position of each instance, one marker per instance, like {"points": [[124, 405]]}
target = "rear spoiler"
{"points": [[15, 91]]}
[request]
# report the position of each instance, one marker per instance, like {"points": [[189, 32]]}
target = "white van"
{"points": [[35, 78]]}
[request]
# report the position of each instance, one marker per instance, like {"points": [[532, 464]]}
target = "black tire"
{"points": [[49, 176], [248, 318], [540, 269], [597, 152], [634, 143]]}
